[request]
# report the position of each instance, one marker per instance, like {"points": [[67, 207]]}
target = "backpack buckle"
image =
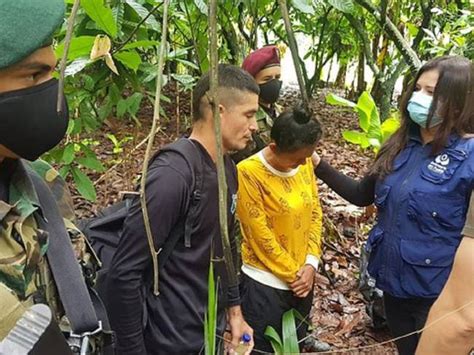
{"points": [[196, 196]]}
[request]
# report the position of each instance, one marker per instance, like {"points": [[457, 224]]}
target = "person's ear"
{"points": [[273, 147], [222, 109]]}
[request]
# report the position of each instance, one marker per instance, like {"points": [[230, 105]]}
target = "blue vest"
{"points": [[422, 208]]}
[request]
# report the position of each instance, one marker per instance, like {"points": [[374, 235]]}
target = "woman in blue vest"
{"points": [[421, 182]]}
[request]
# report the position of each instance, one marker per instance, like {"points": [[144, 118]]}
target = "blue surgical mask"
{"points": [[419, 107]]}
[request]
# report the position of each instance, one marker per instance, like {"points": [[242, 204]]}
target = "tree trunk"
{"points": [[340, 82], [361, 84]]}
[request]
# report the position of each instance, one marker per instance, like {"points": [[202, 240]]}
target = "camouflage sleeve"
{"points": [[468, 230]]}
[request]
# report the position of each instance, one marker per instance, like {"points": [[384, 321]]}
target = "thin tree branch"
{"points": [[193, 37], [388, 26], [67, 43], [137, 27], [294, 52], [364, 39], [214, 100], [154, 128]]}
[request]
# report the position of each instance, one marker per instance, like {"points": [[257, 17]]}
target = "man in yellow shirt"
{"points": [[280, 215]]}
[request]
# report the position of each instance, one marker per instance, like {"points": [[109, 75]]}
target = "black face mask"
{"points": [[270, 91], [29, 123]]}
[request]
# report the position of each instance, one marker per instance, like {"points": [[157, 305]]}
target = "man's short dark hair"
{"points": [[230, 77]]}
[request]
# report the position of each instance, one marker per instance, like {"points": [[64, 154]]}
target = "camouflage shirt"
{"points": [[25, 277]]}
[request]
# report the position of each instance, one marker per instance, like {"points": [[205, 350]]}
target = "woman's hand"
{"points": [[304, 281], [316, 159]]}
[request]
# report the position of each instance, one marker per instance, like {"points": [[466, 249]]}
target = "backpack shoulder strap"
{"points": [[188, 150]]}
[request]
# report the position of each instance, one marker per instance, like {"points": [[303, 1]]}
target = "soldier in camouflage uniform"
{"points": [[264, 65], [29, 126]]}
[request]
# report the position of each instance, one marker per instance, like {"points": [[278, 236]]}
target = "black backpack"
{"points": [[104, 230]]}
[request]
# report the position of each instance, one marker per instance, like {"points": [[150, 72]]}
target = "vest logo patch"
{"points": [[439, 164]]}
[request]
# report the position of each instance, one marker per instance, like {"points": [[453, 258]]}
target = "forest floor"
{"points": [[338, 315]]}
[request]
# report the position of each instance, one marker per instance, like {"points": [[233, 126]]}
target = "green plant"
{"points": [[210, 318], [288, 342], [118, 144], [374, 133]]}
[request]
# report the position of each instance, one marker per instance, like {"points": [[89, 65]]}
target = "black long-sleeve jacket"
{"points": [[173, 322]]}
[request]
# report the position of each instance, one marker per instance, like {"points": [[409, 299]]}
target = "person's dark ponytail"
{"points": [[295, 129]]}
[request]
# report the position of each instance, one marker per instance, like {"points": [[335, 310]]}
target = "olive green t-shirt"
{"points": [[468, 230]]}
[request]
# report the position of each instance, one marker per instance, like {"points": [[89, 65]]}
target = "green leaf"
{"points": [[305, 6], [365, 108], [335, 100], [84, 184], [143, 13], [187, 63], [141, 44], [346, 6], [356, 137], [102, 16], [122, 107], [272, 335], [91, 163], [202, 6], [63, 171], [79, 47], [412, 29], [134, 102], [68, 154], [131, 59], [389, 127], [210, 319], [184, 79], [290, 337], [76, 66]]}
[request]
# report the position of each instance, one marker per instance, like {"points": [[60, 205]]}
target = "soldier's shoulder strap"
{"points": [[70, 283]]}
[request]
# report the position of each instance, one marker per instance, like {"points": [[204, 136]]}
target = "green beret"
{"points": [[25, 26]]}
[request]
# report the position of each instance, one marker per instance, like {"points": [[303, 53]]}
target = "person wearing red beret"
{"points": [[264, 65]]}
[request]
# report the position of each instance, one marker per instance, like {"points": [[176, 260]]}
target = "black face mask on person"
{"points": [[29, 122], [270, 91]]}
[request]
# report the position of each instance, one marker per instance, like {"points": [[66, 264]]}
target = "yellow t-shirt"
{"points": [[280, 217]]}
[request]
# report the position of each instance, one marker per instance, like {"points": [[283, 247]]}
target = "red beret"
{"points": [[261, 58]]}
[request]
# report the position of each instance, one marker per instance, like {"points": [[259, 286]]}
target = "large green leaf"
{"points": [[102, 16], [83, 184], [290, 337], [68, 154], [130, 59], [305, 6], [80, 47], [356, 137], [346, 6], [272, 335], [365, 108], [143, 12], [335, 100]]}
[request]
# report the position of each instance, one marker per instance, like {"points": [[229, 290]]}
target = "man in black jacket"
{"points": [[173, 322]]}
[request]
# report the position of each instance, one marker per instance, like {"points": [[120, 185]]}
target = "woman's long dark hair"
{"points": [[449, 99]]}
